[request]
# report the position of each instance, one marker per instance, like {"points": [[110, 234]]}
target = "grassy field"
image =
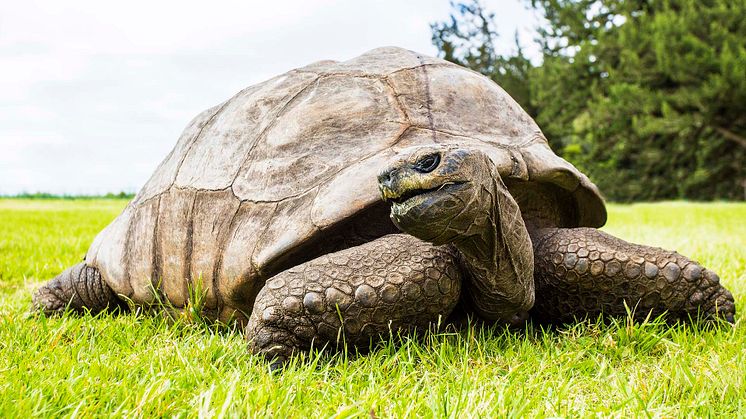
{"points": [[146, 366]]}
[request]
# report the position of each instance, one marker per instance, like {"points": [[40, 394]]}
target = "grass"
{"points": [[144, 366]]}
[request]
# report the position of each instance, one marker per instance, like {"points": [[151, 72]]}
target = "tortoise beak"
{"points": [[387, 194]]}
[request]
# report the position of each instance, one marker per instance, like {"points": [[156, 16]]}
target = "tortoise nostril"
{"points": [[387, 177]]}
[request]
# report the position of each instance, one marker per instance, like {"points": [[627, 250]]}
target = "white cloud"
{"points": [[94, 94]]}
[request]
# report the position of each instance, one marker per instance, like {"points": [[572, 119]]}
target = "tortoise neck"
{"points": [[480, 251], [497, 256]]}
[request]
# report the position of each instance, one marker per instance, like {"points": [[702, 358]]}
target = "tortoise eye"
{"points": [[428, 163]]}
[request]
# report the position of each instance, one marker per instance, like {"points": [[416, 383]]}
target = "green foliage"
{"points": [[647, 97], [137, 365]]}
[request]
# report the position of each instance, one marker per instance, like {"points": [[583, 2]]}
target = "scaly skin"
{"points": [[393, 284], [584, 272], [77, 289]]}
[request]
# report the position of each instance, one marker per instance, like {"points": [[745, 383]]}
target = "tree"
{"points": [[665, 88]]}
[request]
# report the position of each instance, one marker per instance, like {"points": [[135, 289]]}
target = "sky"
{"points": [[93, 94]]}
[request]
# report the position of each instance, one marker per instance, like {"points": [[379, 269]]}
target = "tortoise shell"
{"points": [[285, 171]]}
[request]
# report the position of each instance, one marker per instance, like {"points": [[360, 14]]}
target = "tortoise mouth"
{"points": [[422, 193]]}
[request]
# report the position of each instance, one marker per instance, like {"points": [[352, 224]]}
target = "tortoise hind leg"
{"points": [[78, 289], [584, 271], [394, 284]]}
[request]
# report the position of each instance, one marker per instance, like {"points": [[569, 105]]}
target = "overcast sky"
{"points": [[94, 94]]}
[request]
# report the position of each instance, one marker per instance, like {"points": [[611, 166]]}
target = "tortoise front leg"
{"points": [[396, 283], [584, 271]]}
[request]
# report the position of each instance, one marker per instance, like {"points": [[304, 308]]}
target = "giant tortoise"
{"points": [[352, 199]]}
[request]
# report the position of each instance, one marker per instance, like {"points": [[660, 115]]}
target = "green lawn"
{"points": [[146, 366]]}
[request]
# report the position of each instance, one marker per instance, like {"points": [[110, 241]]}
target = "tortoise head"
{"points": [[435, 191]]}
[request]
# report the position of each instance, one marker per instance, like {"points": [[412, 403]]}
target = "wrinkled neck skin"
{"points": [[497, 253], [478, 245]]}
